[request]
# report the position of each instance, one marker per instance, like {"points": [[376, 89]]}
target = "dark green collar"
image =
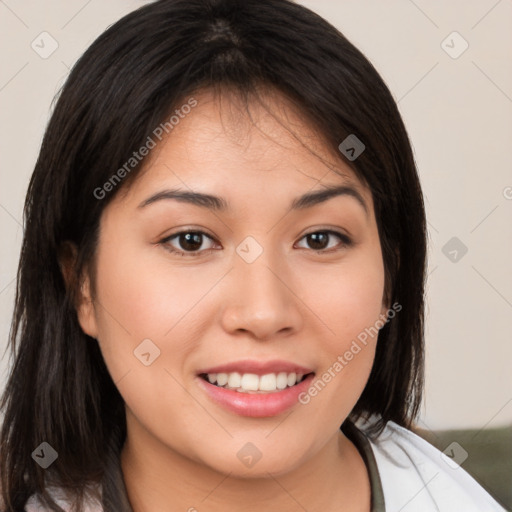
{"points": [[363, 445]]}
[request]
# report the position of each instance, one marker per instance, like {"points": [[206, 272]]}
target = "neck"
{"points": [[159, 479]]}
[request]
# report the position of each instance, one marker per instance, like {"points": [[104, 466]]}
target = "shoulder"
{"points": [[417, 477], [34, 503]]}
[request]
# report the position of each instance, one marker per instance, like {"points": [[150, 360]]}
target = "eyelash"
{"points": [[346, 242]]}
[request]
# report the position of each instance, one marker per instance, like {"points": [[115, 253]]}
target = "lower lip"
{"points": [[256, 405]]}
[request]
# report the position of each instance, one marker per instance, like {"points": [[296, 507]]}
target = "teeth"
{"points": [[250, 382], [222, 379], [268, 382], [234, 380], [282, 380]]}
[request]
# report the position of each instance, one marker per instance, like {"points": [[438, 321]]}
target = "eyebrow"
{"points": [[220, 204]]}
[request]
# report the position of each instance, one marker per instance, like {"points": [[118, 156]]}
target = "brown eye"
{"points": [[321, 240], [189, 243], [318, 240]]}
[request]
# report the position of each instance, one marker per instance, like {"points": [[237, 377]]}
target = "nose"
{"points": [[260, 299]]}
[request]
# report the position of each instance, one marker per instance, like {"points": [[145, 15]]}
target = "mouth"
{"points": [[252, 383], [255, 389]]}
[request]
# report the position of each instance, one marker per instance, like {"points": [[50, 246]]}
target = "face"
{"points": [[256, 283]]}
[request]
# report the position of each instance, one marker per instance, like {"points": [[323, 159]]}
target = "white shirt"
{"points": [[417, 477]]}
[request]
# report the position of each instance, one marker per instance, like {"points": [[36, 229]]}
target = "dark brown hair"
{"points": [[126, 84]]}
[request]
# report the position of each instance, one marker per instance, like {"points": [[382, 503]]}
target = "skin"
{"points": [[293, 303]]}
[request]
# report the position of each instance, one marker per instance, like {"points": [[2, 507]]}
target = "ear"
{"points": [[386, 301], [79, 287]]}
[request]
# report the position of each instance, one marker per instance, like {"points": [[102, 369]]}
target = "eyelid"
{"points": [[186, 231]]}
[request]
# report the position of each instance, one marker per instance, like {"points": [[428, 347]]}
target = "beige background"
{"points": [[459, 115]]}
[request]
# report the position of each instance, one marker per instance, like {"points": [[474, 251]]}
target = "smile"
{"points": [[254, 384], [254, 395]]}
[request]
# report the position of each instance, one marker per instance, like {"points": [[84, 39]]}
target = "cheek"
{"points": [[147, 296], [142, 295], [349, 303], [348, 300], [350, 306], [141, 300]]}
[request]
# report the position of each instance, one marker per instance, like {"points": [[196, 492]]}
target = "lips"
{"points": [[256, 404], [258, 367]]}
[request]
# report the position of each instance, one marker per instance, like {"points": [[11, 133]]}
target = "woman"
{"points": [[223, 263]]}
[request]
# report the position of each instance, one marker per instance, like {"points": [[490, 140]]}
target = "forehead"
{"points": [[226, 145]]}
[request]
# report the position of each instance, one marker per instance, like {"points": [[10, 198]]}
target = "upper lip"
{"points": [[257, 367]]}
